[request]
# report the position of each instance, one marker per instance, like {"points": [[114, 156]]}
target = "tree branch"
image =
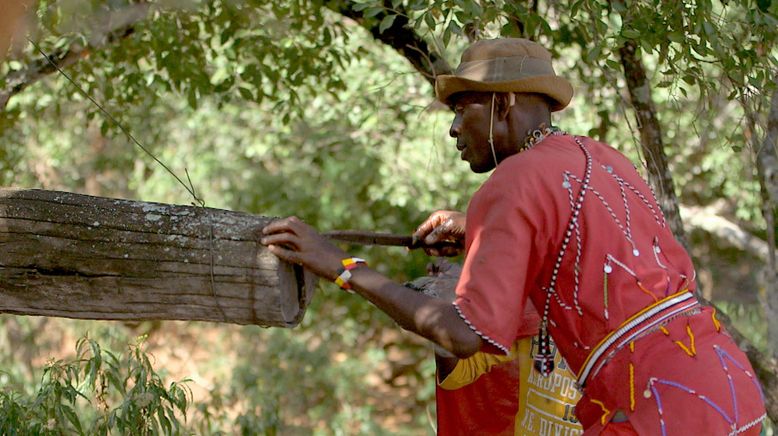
{"points": [[113, 27], [707, 219], [400, 36]]}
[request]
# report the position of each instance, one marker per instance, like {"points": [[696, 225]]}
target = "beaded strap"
{"points": [[544, 358]]}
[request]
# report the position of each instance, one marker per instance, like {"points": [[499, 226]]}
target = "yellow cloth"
{"points": [[546, 404], [468, 370]]}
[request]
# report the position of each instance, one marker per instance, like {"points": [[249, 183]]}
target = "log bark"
{"points": [[77, 256]]}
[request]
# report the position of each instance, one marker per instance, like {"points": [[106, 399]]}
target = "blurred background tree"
{"points": [[325, 109]]}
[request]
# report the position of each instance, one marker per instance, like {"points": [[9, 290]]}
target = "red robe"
{"points": [[598, 271]]}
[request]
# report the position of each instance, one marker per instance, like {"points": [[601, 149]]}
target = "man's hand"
{"points": [[442, 234], [296, 242]]}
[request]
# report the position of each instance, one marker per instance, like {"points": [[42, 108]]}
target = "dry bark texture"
{"points": [[767, 170], [659, 175], [76, 256]]}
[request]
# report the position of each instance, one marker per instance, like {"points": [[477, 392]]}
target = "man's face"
{"points": [[471, 129]]}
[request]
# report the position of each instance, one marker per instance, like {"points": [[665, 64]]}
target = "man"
{"points": [[567, 223]]}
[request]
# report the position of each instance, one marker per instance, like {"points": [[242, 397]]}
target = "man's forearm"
{"points": [[426, 316]]}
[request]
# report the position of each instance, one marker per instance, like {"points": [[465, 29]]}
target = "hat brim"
{"points": [[559, 89]]}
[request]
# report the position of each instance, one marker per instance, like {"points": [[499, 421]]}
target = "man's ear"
{"points": [[503, 103]]}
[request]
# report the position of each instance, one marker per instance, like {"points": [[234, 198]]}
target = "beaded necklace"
{"points": [[539, 134]]}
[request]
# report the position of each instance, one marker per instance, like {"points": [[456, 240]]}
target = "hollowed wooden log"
{"points": [[78, 256]]}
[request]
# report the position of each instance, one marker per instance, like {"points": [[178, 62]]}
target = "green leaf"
{"points": [[164, 421], [593, 54], [386, 23], [373, 11], [454, 28], [72, 417], [613, 64], [246, 93], [676, 37], [630, 33], [474, 9], [709, 30], [360, 6], [575, 7], [429, 19], [192, 98]]}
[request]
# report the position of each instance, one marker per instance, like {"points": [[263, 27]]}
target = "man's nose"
{"points": [[456, 126]]}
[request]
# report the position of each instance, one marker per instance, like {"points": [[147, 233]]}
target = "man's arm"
{"points": [[296, 242], [429, 317]]}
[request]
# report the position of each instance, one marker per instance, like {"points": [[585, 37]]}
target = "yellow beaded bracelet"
{"points": [[344, 275]]}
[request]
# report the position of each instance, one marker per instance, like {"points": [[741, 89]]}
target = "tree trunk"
{"points": [[767, 171], [77, 256], [659, 175]]}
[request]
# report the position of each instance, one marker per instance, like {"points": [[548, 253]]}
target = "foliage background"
{"points": [[287, 107]]}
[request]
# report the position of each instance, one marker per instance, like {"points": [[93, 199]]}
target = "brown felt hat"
{"points": [[506, 65]]}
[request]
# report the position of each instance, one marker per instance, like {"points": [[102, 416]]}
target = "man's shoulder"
{"points": [[553, 152]]}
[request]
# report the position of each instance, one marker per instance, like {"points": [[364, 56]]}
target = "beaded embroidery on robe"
{"points": [[571, 225]]}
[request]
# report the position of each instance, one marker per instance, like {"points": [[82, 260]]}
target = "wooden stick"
{"points": [[387, 239], [370, 238]]}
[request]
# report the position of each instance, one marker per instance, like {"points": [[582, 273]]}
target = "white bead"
{"points": [[608, 269], [635, 252]]}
